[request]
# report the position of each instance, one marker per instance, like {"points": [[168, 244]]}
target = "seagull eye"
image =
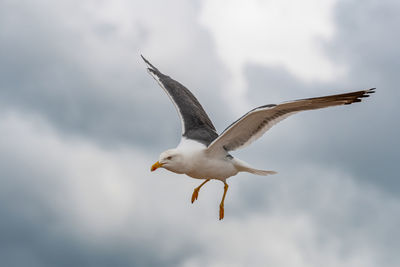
{"points": [[169, 158]]}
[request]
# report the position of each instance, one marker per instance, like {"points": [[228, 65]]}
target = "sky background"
{"points": [[81, 122]]}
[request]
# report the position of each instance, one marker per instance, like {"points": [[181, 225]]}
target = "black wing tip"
{"points": [[150, 66], [370, 91], [362, 94], [150, 70], [144, 59], [366, 93]]}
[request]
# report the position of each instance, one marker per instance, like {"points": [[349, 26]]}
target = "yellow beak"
{"points": [[156, 166]]}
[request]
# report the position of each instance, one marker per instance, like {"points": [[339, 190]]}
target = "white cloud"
{"points": [[100, 194], [74, 189], [83, 70], [290, 34]]}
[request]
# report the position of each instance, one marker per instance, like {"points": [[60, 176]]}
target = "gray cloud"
{"points": [[360, 138], [56, 210], [86, 206], [77, 120], [83, 72]]}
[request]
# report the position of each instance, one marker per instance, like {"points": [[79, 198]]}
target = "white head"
{"points": [[171, 160]]}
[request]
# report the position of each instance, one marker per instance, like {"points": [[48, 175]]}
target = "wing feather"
{"points": [[256, 122], [194, 120]]}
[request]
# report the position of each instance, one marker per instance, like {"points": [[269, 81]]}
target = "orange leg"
{"points": [[195, 194], [221, 206]]}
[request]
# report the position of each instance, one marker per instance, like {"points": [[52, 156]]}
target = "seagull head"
{"points": [[171, 160]]}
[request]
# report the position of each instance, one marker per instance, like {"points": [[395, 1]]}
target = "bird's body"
{"points": [[203, 154], [196, 161], [198, 164]]}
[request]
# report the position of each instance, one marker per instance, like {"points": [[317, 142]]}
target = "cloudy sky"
{"points": [[81, 122]]}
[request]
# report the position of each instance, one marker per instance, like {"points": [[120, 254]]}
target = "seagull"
{"points": [[203, 154]]}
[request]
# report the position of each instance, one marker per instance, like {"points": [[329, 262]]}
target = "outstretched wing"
{"points": [[195, 122], [256, 122]]}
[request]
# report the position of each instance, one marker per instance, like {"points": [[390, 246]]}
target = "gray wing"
{"points": [[256, 122], [195, 122]]}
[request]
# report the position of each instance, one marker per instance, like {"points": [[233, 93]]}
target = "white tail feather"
{"points": [[260, 172], [244, 167]]}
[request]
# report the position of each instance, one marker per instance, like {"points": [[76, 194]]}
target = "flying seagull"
{"points": [[203, 154]]}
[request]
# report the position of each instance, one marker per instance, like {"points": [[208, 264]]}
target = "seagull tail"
{"points": [[260, 172], [242, 166]]}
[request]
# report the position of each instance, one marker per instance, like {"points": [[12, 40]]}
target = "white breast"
{"points": [[201, 165]]}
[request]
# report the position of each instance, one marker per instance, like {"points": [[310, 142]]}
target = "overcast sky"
{"points": [[81, 122]]}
